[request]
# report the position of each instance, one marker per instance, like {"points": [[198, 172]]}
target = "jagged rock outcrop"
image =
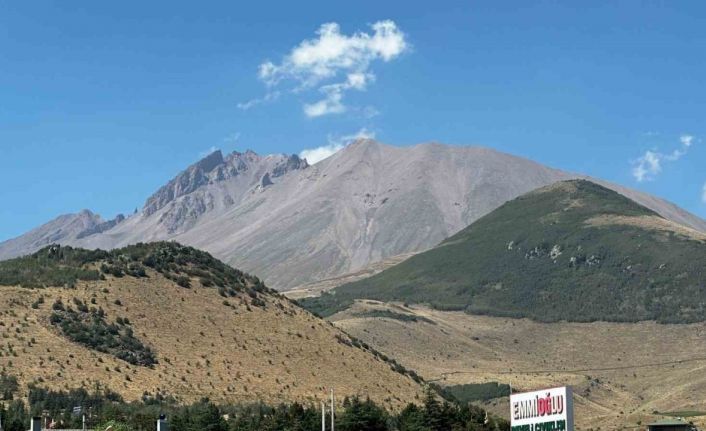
{"points": [[292, 163], [266, 181], [101, 227], [187, 181], [206, 186]]}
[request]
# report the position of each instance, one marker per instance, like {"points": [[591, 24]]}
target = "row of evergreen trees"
{"points": [[356, 415]]}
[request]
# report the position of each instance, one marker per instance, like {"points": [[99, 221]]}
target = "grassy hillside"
{"points": [[158, 320], [621, 373], [572, 251]]}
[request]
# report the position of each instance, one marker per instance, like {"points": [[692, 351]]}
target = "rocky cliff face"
{"points": [[204, 186], [195, 176], [291, 223], [214, 168]]}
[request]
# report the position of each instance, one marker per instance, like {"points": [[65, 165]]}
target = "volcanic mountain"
{"points": [[573, 251], [163, 319], [291, 223]]}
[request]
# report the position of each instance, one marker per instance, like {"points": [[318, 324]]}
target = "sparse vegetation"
{"points": [[389, 314], [684, 413], [349, 340]]}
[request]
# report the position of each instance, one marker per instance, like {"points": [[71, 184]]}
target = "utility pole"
{"points": [[0, 419], [323, 416], [332, 411]]}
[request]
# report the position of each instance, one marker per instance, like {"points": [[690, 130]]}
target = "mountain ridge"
{"points": [[293, 224]]}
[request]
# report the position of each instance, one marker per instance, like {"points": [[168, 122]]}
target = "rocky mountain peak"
{"points": [[184, 183], [208, 163], [215, 168], [291, 163], [87, 217]]}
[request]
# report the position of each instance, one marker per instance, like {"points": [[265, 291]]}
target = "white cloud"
{"points": [[330, 105], [269, 97], [687, 140], [315, 155], [647, 166], [650, 164], [335, 144], [703, 194], [334, 63]]}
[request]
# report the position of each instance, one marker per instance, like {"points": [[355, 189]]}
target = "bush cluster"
{"points": [[89, 327], [8, 386], [474, 391]]}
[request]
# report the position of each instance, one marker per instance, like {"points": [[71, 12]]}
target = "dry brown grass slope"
{"points": [[239, 352], [621, 372]]}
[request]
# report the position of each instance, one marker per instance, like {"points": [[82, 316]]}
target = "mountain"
{"points": [[65, 228], [573, 251], [293, 224], [162, 319]]}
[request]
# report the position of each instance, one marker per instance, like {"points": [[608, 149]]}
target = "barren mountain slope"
{"points": [[233, 341], [64, 228], [292, 224]]}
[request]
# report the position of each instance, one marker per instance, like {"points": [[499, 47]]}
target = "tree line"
{"points": [[356, 414]]}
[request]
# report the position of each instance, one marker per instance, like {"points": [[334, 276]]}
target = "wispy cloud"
{"points": [[232, 139], [269, 97], [332, 63], [229, 141], [703, 194], [335, 144], [651, 163], [205, 153]]}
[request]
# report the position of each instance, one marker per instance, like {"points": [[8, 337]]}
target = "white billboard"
{"points": [[544, 410]]}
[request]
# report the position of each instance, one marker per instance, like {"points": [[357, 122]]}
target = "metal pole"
{"points": [[332, 411], [323, 416], [84, 422]]}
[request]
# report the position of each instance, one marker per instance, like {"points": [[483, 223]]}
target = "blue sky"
{"points": [[103, 102]]}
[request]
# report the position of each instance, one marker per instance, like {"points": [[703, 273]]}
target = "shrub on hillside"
{"points": [[90, 328]]}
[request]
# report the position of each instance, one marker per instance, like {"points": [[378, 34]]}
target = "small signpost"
{"points": [[544, 410]]}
